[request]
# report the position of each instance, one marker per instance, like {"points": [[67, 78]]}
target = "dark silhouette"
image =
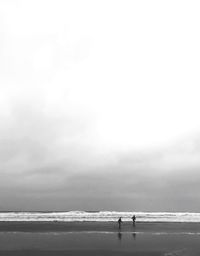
{"points": [[119, 234], [119, 222], [133, 219]]}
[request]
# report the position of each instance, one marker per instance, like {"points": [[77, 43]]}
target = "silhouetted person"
{"points": [[133, 219], [119, 235], [119, 222]]}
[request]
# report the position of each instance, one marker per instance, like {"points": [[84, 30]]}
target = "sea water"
{"points": [[104, 216]]}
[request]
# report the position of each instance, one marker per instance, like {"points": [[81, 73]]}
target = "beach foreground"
{"points": [[99, 238]]}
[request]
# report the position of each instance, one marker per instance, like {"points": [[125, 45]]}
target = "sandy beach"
{"points": [[99, 238]]}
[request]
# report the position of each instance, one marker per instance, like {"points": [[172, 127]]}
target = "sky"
{"points": [[99, 105]]}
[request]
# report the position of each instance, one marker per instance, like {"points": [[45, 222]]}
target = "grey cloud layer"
{"points": [[135, 180]]}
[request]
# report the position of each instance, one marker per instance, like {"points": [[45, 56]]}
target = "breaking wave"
{"points": [[104, 216]]}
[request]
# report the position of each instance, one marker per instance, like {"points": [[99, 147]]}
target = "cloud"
{"points": [[99, 110]]}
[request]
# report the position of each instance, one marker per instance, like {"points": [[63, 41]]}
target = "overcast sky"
{"points": [[99, 105]]}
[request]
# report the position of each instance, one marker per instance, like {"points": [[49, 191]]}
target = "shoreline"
{"points": [[55, 226]]}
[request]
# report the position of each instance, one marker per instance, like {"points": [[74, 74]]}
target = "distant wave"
{"points": [[104, 216]]}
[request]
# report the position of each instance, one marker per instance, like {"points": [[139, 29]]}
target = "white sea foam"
{"points": [[105, 216]]}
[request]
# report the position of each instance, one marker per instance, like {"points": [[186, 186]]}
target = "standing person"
{"points": [[119, 222], [133, 219]]}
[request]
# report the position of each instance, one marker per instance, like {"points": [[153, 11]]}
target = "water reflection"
{"points": [[134, 235], [119, 235]]}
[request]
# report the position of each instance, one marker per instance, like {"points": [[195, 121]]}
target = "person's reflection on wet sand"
{"points": [[134, 235], [119, 235]]}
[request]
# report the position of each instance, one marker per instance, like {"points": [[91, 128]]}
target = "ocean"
{"points": [[103, 216]]}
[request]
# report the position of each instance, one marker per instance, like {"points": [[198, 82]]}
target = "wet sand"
{"points": [[99, 238], [146, 227], [75, 252]]}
